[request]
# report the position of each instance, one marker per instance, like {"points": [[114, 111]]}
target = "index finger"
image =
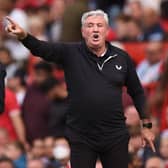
{"points": [[10, 20], [152, 146]]}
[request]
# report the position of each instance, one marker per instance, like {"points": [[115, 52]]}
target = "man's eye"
{"points": [[90, 25], [100, 25]]}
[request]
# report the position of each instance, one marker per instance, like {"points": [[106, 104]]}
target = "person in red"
{"points": [[11, 119], [158, 102]]}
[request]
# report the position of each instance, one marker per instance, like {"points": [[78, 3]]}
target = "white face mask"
{"points": [[61, 152]]}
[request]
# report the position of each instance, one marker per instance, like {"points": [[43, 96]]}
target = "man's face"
{"points": [[94, 31]]}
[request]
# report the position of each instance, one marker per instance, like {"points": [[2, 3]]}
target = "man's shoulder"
{"points": [[71, 45], [119, 51]]}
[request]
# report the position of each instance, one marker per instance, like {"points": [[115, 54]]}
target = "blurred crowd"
{"points": [[33, 123]]}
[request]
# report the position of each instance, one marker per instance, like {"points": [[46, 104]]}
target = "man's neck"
{"points": [[99, 51]]}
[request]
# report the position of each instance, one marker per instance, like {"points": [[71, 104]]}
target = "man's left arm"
{"points": [[135, 90], [2, 87]]}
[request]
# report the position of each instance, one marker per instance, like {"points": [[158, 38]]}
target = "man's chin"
{"points": [[96, 44]]}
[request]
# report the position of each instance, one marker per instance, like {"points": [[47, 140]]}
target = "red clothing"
{"points": [[164, 114], [11, 108], [32, 3]]}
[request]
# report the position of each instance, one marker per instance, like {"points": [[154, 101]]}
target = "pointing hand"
{"points": [[15, 29]]}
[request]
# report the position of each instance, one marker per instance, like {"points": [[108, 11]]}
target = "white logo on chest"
{"points": [[118, 67]]}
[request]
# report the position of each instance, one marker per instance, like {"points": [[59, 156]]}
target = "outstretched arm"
{"points": [[46, 50]]}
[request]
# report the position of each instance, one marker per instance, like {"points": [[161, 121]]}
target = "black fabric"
{"points": [[57, 118], [95, 96], [2, 87], [111, 156]]}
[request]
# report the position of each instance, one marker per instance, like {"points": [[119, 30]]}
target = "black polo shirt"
{"points": [[94, 85]]}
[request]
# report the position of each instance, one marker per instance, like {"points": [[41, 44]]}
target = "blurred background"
{"points": [[32, 124]]}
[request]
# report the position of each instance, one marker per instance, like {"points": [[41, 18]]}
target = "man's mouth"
{"points": [[95, 36]]}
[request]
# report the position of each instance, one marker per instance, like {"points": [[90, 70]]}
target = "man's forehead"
{"points": [[95, 18]]}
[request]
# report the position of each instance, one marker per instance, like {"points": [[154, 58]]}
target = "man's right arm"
{"points": [[47, 51]]}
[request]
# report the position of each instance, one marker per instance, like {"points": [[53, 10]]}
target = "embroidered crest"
{"points": [[118, 67]]}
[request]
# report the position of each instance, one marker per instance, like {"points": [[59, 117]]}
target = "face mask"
{"points": [[61, 152]]}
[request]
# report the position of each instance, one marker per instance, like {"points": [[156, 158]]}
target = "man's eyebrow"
{"points": [[93, 22]]}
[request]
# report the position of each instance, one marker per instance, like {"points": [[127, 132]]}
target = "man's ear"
{"points": [[82, 32]]}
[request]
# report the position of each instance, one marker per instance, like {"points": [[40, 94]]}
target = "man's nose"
{"points": [[95, 28]]}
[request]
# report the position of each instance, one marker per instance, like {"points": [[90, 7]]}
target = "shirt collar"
{"points": [[109, 52]]}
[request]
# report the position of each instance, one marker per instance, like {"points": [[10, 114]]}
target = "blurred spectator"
{"points": [[155, 162], [151, 25], [35, 163], [148, 70], [17, 14], [57, 94], [6, 163], [49, 143], [121, 27], [164, 147], [43, 13], [2, 26], [36, 105], [134, 161], [19, 52], [16, 152], [11, 118], [146, 17], [154, 4], [128, 29], [135, 32], [56, 15], [62, 151], [71, 26], [159, 100], [37, 27], [17, 84], [4, 140], [38, 150], [134, 9], [7, 60]]}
